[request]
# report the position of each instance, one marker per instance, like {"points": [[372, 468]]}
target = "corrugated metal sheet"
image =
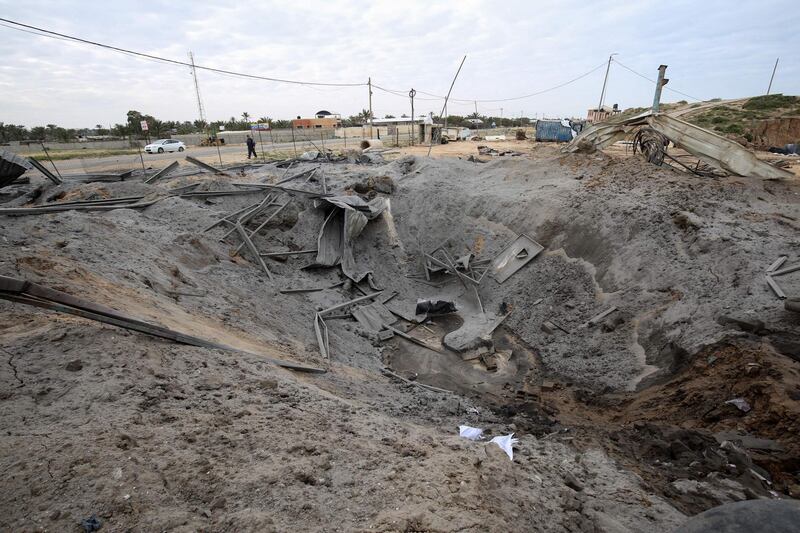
{"points": [[552, 130], [12, 166]]}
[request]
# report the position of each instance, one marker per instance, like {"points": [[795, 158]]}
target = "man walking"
{"points": [[251, 147]]}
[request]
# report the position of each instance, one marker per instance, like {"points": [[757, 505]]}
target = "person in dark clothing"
{"points": [[251, 147]]}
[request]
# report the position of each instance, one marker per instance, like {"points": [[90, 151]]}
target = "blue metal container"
{"points": [[552, 130]]}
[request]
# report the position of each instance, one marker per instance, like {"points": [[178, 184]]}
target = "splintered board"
{"points": [[514, 256]]}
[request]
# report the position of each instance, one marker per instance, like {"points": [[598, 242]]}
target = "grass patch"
{"points": [[61, 155], [734, 128], [770, 101]]}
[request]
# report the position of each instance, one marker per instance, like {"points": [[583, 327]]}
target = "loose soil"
{"points": [[623, 426]]}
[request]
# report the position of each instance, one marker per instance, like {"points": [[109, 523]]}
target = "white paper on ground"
{"points": [[469, 432], [506, 442]]}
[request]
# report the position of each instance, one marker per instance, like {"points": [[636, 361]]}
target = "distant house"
{"points": [[604, 113], [322, 119]]}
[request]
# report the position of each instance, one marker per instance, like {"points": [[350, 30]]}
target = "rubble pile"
{"points": [[220, 348]]}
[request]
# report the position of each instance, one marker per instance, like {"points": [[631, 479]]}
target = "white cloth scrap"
{"points": [[470, 433], [506, 442]]}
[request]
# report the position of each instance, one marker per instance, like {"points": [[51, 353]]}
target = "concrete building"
{"points": [[599, 115], [322, 119]]}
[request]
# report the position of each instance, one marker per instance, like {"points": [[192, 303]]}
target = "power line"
{"points": [[470, 101], [26, 28], [654, 81], [60, 36]]}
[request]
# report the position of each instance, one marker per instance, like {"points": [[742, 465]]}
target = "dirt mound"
{"points": [[152, 435]]}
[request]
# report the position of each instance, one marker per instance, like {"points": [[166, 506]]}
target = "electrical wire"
{"points": [[26, 28], [654, 81], [470, 101], [60, 36]]}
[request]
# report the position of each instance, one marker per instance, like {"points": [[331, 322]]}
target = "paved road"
{"points": [[229, 154]]}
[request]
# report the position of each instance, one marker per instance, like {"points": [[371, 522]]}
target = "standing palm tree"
{"points": [[365, 115], [246, 116]]}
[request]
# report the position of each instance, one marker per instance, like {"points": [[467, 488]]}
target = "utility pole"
{"points": [[605, 81], [197, 89], [411, 94], [659, 84], [369, 83], [773, 75]]}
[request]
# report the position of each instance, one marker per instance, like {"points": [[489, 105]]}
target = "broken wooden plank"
{"points": [[205, 166], [413, 339], [311, 289], [775, 288], [253, 249], [597, 318], [299, 174], [87, 207], [263, 224], [297, 252], [288, 190], [22, 291], [786, 270], [228, 218], [350, 302], [247, 215], [777, 264], [321, 331], [416, 384], [162, 173], [41, 168]]}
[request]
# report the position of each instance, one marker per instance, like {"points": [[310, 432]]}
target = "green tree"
{"points": [[156, 127], [10, 132], [246, 117], [364, 116]]}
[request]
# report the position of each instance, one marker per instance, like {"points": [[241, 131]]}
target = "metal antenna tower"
{"points": [[197, 89]]}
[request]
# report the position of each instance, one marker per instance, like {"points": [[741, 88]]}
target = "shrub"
{"points": [[770, 101]]}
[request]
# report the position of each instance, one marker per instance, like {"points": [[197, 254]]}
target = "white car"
{"points": [[165, 145]]}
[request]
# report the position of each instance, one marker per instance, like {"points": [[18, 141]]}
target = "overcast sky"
{"points": [[714, 49]]}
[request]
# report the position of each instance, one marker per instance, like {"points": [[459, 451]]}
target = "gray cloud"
{"points": [[713, 49]]}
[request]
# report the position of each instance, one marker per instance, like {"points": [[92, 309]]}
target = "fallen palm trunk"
{"points": [[22, 291]]}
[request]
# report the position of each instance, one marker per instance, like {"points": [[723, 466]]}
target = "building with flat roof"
{"points": [[322, 119], [604, 113]]}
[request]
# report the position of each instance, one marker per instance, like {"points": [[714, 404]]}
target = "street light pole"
{"points": [[659, 84], [605, 81], [773, 75], [411, 94]]}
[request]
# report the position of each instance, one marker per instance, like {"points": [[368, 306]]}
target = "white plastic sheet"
{"points": [[470, 433], [506, 442]]}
